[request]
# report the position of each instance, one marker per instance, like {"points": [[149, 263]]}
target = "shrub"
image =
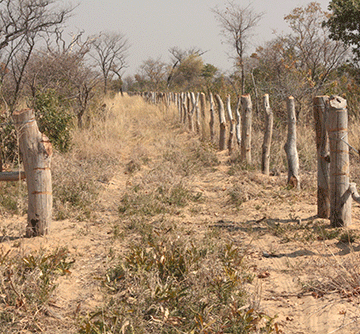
{"points": [[53, 119]]}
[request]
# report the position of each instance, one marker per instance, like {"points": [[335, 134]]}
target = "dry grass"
{"points": [[170, 276]]}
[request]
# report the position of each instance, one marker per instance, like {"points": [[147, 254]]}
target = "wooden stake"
{"points": [[36, 151], [190, 110], [340, 199], [290, 146], [212, 117], [246, 128], [323, 156], [238, 122], [232, 123], [202, 105], [222, 122], [269, 120]]}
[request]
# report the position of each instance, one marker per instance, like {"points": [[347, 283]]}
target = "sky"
{"points": [[152, 27]]}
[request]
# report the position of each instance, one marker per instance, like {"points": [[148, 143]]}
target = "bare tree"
{"points": [[237, 25], [154, 71], [28, 17], [178, 56], [109, 53], [63, 67]]}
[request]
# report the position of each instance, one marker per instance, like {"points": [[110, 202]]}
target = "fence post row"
{"points": [[334, 193]]}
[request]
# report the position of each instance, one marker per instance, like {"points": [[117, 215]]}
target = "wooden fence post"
{"points": [[238, 122], [246, 128], [232, 123], [190, 110], [269, 120], [340, 199], [222, 122], [323, 156], [290, 146], [202, 105], [185, 105], [195, 102], [36, 151], [212, 117], [180, 103]]}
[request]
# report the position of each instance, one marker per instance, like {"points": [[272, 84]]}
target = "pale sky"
{"points": [[154, 26]]}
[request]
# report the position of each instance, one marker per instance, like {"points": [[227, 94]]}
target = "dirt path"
{"points": [[270, 219]]}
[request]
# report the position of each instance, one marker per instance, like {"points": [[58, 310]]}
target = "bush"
{"points": [[54, 119]]}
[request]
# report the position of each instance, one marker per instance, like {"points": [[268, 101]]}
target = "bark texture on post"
{"points": [[222, 121], [212, 117], [190, 110], [269, 121], [340, 199], [232, 123], [323, 156], [290, 146], [238, 122], [246, 128], [195, 102], [36, 153], [180, 106], [202, 105], [184, 108]]}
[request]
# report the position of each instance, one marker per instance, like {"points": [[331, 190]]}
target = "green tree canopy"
{"points": [[344, 23]]}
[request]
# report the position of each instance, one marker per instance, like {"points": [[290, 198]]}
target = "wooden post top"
{"points": [[337, 102]]}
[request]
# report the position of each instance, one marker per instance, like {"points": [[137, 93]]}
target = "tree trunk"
{"points": [[238, 122], [36, 153], [323, 156], [232, 123], [222, 122], [290, 146], [212, 117], [269, 120], [340, 199], [246, 128]]}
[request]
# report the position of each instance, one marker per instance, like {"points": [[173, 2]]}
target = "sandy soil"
{"points": [[281, 262]]}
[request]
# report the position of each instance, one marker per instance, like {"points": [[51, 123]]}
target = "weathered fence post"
{"points": [[246, 128], [212, 117], [222, 122], [269, 120], [232, 123], [36, 151], [290, 146], [202, 105], [195, 102], [181, 97], [340, 199], [323, 156], [185, 109], [190, 111], [238, 122]]}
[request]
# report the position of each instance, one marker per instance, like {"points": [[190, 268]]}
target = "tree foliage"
{"points": [[344, 23]]}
